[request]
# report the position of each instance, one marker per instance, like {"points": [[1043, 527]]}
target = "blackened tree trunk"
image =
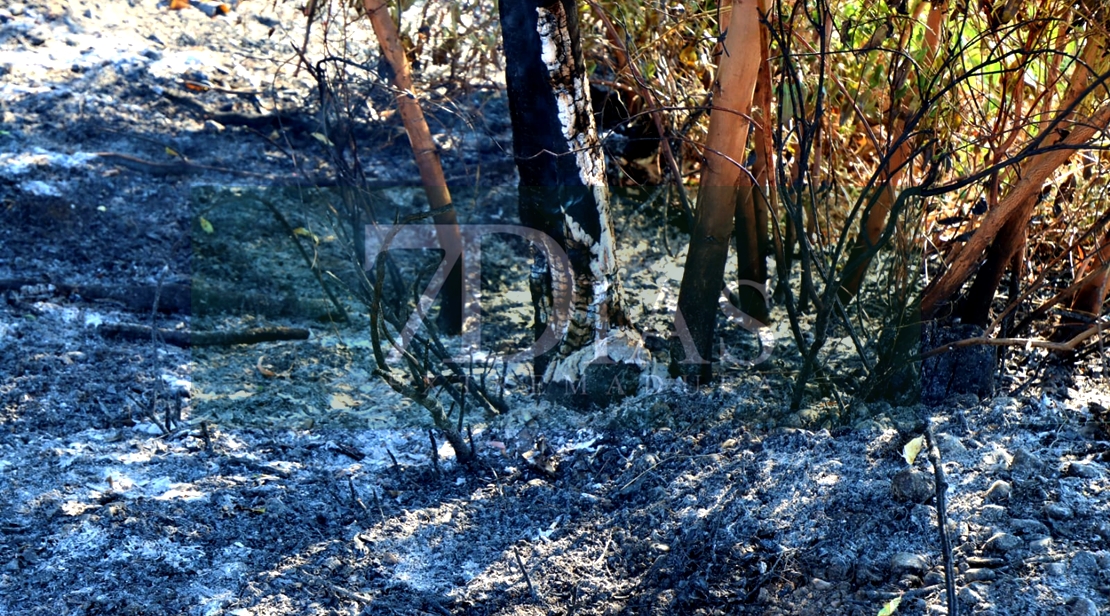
{"points": [[562, 187]]}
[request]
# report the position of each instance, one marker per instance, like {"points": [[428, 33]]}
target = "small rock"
{"points": [[1082, 606], [911, 485], [1041, 545], [1102, 529], [1055, 569], [959, 528], [16, 9], [1026, 465], [980, 575], [1028, 527], [1002, 542], [1058, 511], [37, 37], [819, 584], [996, 460], [998, 492], [5, 16], [950, 444], [866, 573], [838, 569], [968, 596], [213, 126], [908, 561], [933, 578], [1085, 469], [993, 513], [1084, 562]]}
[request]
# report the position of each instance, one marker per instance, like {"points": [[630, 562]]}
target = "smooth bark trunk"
{"points": [[703, 275], [427, 160]]}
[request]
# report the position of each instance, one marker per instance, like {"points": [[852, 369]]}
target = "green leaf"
{"points": [[889, 608], [205, 225], [912, 448]]}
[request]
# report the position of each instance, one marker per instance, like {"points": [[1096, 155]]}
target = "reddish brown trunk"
{"points": [[752, 234], [1021, 196], [976, 306], [1092, 295], [703, 276], [427, 159]]}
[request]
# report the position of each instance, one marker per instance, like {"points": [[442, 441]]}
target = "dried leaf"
{"points": [[265, 370], [177, 5], [912, 448], [889, 608]]}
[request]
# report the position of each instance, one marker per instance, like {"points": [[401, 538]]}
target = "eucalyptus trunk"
{"points": [[563, 191]]}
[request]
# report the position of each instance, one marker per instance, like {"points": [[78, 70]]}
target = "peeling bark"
{"points": [[562, 183]]}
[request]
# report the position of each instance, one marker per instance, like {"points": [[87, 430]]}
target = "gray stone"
{"points": [[1082, 606], [838, 569], [980, 575], [950, 444], [1055, 569], [969, 596], [1058, 511], [1103, 558], [911, 485], [1085, 469], [908, 561], [1026, 465], [1084, 562], [1002, 542], [993, 513], [1040, 545], [1028, 527], [819, 584], [1102, 529], [998, 492]]}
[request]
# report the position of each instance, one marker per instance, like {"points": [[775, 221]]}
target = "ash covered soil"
{"points": [[138, 477]]}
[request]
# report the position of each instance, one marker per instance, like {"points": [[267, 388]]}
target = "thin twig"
{"points": [[942, 518], [527, 578], [435, 451]]}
